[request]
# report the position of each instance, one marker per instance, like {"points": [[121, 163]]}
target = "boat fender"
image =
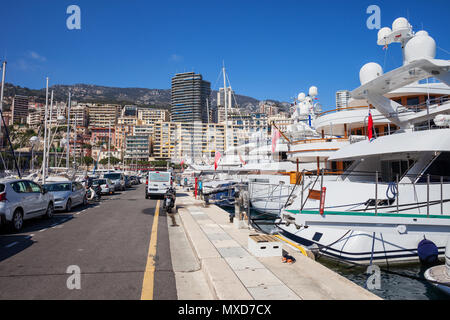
{"points": [[427, 251]]}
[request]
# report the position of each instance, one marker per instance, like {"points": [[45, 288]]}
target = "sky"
{"points": [[271, 49]]}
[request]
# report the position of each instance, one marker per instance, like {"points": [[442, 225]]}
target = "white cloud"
{"points": [[36, 56], [176, 58]]}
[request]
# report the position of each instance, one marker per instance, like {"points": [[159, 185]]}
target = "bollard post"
{"points": [[428, 194], [237, 208], [442, 195], [303, 190], [396, 180], [376, 193]]}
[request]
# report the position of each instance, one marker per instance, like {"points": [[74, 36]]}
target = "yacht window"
{"points": [[439, 167], [283, 155], [260, 180], [413, 101], [390, 169]]}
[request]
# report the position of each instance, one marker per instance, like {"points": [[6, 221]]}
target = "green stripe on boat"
{"points": [[371, 214]]}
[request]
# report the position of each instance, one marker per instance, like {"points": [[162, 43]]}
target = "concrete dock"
{"points": [[211, 260]]}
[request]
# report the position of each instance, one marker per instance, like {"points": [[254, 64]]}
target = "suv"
{"points": [[22, 200], [117, 178]]}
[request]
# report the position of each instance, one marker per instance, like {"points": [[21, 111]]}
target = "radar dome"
{"points": [[301, 96], [313, 91], [421, 46], [421, 33], [63, 142], [383, 33], [34, 139], [61, 118], [399, 24], [369, 72]]}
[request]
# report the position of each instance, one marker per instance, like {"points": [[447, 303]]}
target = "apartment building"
{"points": [[149, 116], [19, 109], [79, 116], [137, 148], [189, 95], [103, 115], [102, 136], [164, 139], [197, 141]]}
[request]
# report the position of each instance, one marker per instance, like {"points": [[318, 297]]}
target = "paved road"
{"points": [[108, 241]]}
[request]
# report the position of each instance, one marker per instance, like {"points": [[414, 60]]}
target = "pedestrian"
{"points": [[200, 188]]}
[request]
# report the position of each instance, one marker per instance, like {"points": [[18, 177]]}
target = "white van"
{"points": [[157, 184]]}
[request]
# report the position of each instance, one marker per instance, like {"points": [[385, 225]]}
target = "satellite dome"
{"points": [[399, 24], [383, 33], [421, 33], [301, 96], [421, 46], [61, 118], [369, 72], [34, 139], [313, 91], [63, 142]]}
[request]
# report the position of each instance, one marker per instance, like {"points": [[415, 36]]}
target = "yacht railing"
{"points": [[392, 196]]}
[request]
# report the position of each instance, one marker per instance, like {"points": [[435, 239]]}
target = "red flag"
{"points": [[275, 136], [216, 159], [370, 126], [242, 160]]}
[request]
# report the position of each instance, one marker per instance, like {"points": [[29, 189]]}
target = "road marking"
{"points": [[149, 274], [42, 230], [11, 244]]}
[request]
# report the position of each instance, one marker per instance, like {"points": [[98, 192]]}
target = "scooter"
{"points": [[93, 193], [169, 200]]}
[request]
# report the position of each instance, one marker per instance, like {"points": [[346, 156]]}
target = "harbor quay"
{"points": [[219, 251]]}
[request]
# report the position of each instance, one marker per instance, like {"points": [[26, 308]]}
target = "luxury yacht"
{"points": [[399, 170]]}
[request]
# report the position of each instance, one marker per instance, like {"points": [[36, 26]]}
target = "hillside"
{"points": [[101, 94]]}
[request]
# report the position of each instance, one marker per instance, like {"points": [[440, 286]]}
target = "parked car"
{"points": [[67, 194], [22, 200], [117, 178], [106, 185]]}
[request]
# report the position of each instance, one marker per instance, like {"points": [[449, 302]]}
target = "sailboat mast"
{"points": [[226, 106], [44, 162], [1, 94], [68, 133], [49, 134], [109, 147]]}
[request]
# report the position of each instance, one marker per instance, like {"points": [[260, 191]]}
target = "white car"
{"points": [[106, 185], [22, 200]]}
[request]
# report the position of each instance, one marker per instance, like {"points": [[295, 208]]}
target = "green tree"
{"points": [[113, 161], [88, 160]]}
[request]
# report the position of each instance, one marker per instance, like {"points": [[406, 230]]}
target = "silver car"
{"points": [[106, 185], [117, 178], [22, 200], [67, 194]]}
